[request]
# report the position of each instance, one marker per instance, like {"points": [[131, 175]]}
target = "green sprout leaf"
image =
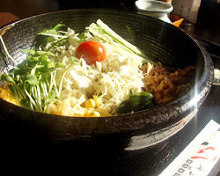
{"points": [[32, 80], [7, 78]]}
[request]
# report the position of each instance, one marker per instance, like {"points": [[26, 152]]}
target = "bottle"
{"points": [[188, 9]]}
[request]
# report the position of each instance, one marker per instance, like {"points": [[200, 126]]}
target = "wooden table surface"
{"points": [[7, 17], [11, 10]]}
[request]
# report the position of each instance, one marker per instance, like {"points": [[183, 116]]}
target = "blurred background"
{"points": [[25, 8]]}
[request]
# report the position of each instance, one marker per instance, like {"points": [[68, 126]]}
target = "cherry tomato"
{"points": [[91, 51]]}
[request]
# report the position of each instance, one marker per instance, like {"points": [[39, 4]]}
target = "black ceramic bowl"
{"points": [[158, 40]]}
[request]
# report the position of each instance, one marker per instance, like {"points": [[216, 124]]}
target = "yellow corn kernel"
{"points": [[95, 114], [95, 98], [90, 103], [88, 111], [91, 113], [7, 96]]}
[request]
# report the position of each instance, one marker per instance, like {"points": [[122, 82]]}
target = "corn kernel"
{"points": [[95, 98], [95, 114], [90, 103]]}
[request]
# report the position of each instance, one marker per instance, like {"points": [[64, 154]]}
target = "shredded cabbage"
{"points": [[110, 80]]}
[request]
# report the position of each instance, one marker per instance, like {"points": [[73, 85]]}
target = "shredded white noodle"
{"points": [[97, 90]]}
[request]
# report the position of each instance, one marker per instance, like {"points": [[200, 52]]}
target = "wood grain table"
{"points": [[7, 17]]}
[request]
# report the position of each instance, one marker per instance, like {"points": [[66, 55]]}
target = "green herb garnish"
{"points": [[38, 80], [136, 102]]}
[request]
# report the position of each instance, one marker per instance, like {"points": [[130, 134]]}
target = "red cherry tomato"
{"points": [[91, 51]]}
